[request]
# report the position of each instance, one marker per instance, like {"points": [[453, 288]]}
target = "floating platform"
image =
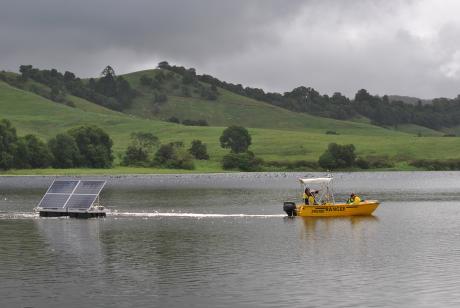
{"points": [[48, 213], [76, 199]]}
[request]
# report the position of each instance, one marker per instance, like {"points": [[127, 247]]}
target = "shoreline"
{"points": [[201, 169]]}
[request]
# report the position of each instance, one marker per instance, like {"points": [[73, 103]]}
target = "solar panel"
{"points": [[71, 195], [89, 187], [82, 202], [54, 201], [62, 187]]}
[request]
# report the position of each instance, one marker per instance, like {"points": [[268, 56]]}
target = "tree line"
{"points": [[91, 147], [442, 112], [111, 91], [84, 146]]}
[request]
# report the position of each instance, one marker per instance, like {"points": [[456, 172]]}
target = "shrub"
{"points": [[139, 151], [199, 150], [174, 120], [135, 156], [338, 156], [435, 164], [331, 132], [195, 122], [173, 155], [242, 161], [327, 161], [362, 163], [374, 161]]}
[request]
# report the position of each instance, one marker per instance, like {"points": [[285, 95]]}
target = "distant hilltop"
{"points": [[409, 99], [178, 94]]}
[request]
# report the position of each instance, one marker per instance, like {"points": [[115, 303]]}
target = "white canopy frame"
{"points": [[324, 187]]}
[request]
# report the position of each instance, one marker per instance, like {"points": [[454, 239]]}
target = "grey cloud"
{"points": [[184, 30], [330, 45]]}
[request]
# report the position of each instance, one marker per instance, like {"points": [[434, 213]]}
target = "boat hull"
{"points": [[339, 209]]}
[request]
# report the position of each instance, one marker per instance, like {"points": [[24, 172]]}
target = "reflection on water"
{"points": [[323, 224], [174, 246]]}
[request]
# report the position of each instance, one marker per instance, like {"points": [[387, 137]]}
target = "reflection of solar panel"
{"points": [[67, 197]]}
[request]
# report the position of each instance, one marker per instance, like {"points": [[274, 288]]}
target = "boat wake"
{"points": [[116, 214], [187, 215], [18, 215]]}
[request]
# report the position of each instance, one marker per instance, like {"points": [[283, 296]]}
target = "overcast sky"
{"points": [[387, 47]]}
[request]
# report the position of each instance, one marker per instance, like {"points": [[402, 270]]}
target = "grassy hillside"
{"points": [[231, 109], [31, 113], [418, 130]]}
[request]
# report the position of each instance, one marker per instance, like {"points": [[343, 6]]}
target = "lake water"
{"points": [[222, 240]]}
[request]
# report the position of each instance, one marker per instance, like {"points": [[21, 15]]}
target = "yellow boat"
{"points": [[325, 205]]}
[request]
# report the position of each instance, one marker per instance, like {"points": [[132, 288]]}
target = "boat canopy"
{"points": [[316, 180]]}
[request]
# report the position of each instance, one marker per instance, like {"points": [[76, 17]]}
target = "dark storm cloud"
{"points": [[400, 47], [46, 31]]}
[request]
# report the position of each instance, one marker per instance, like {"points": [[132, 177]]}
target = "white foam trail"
{"points": [[29, 215], [190, 215], [18, 215]]}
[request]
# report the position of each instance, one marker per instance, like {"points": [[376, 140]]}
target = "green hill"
{"points": [[31, 113], [233, 109]]}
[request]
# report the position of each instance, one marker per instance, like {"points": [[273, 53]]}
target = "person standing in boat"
{"points": [[308, 196], [354, 199]]}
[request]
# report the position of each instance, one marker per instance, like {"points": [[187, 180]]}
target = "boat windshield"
{"points": [[325, 194]]}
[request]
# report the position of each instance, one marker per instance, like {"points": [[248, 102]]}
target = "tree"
{"points": [[327, 161], [108, 71], [144, 140], [124, 93], [106, 85], [65, 151], [8, 139], [163, 65], [69, 76], [164, 154], [199, 150], [338, 156], [189, 76], [173, 155], [146, 80], [95, 146], [236, 138], [140, 149], [363, 96], [26, 71], [31, 152]]}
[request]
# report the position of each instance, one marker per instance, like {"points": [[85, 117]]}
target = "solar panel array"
{"points": [[71, 195]]}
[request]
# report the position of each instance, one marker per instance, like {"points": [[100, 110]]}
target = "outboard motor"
{"points": [[290, 208]]}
